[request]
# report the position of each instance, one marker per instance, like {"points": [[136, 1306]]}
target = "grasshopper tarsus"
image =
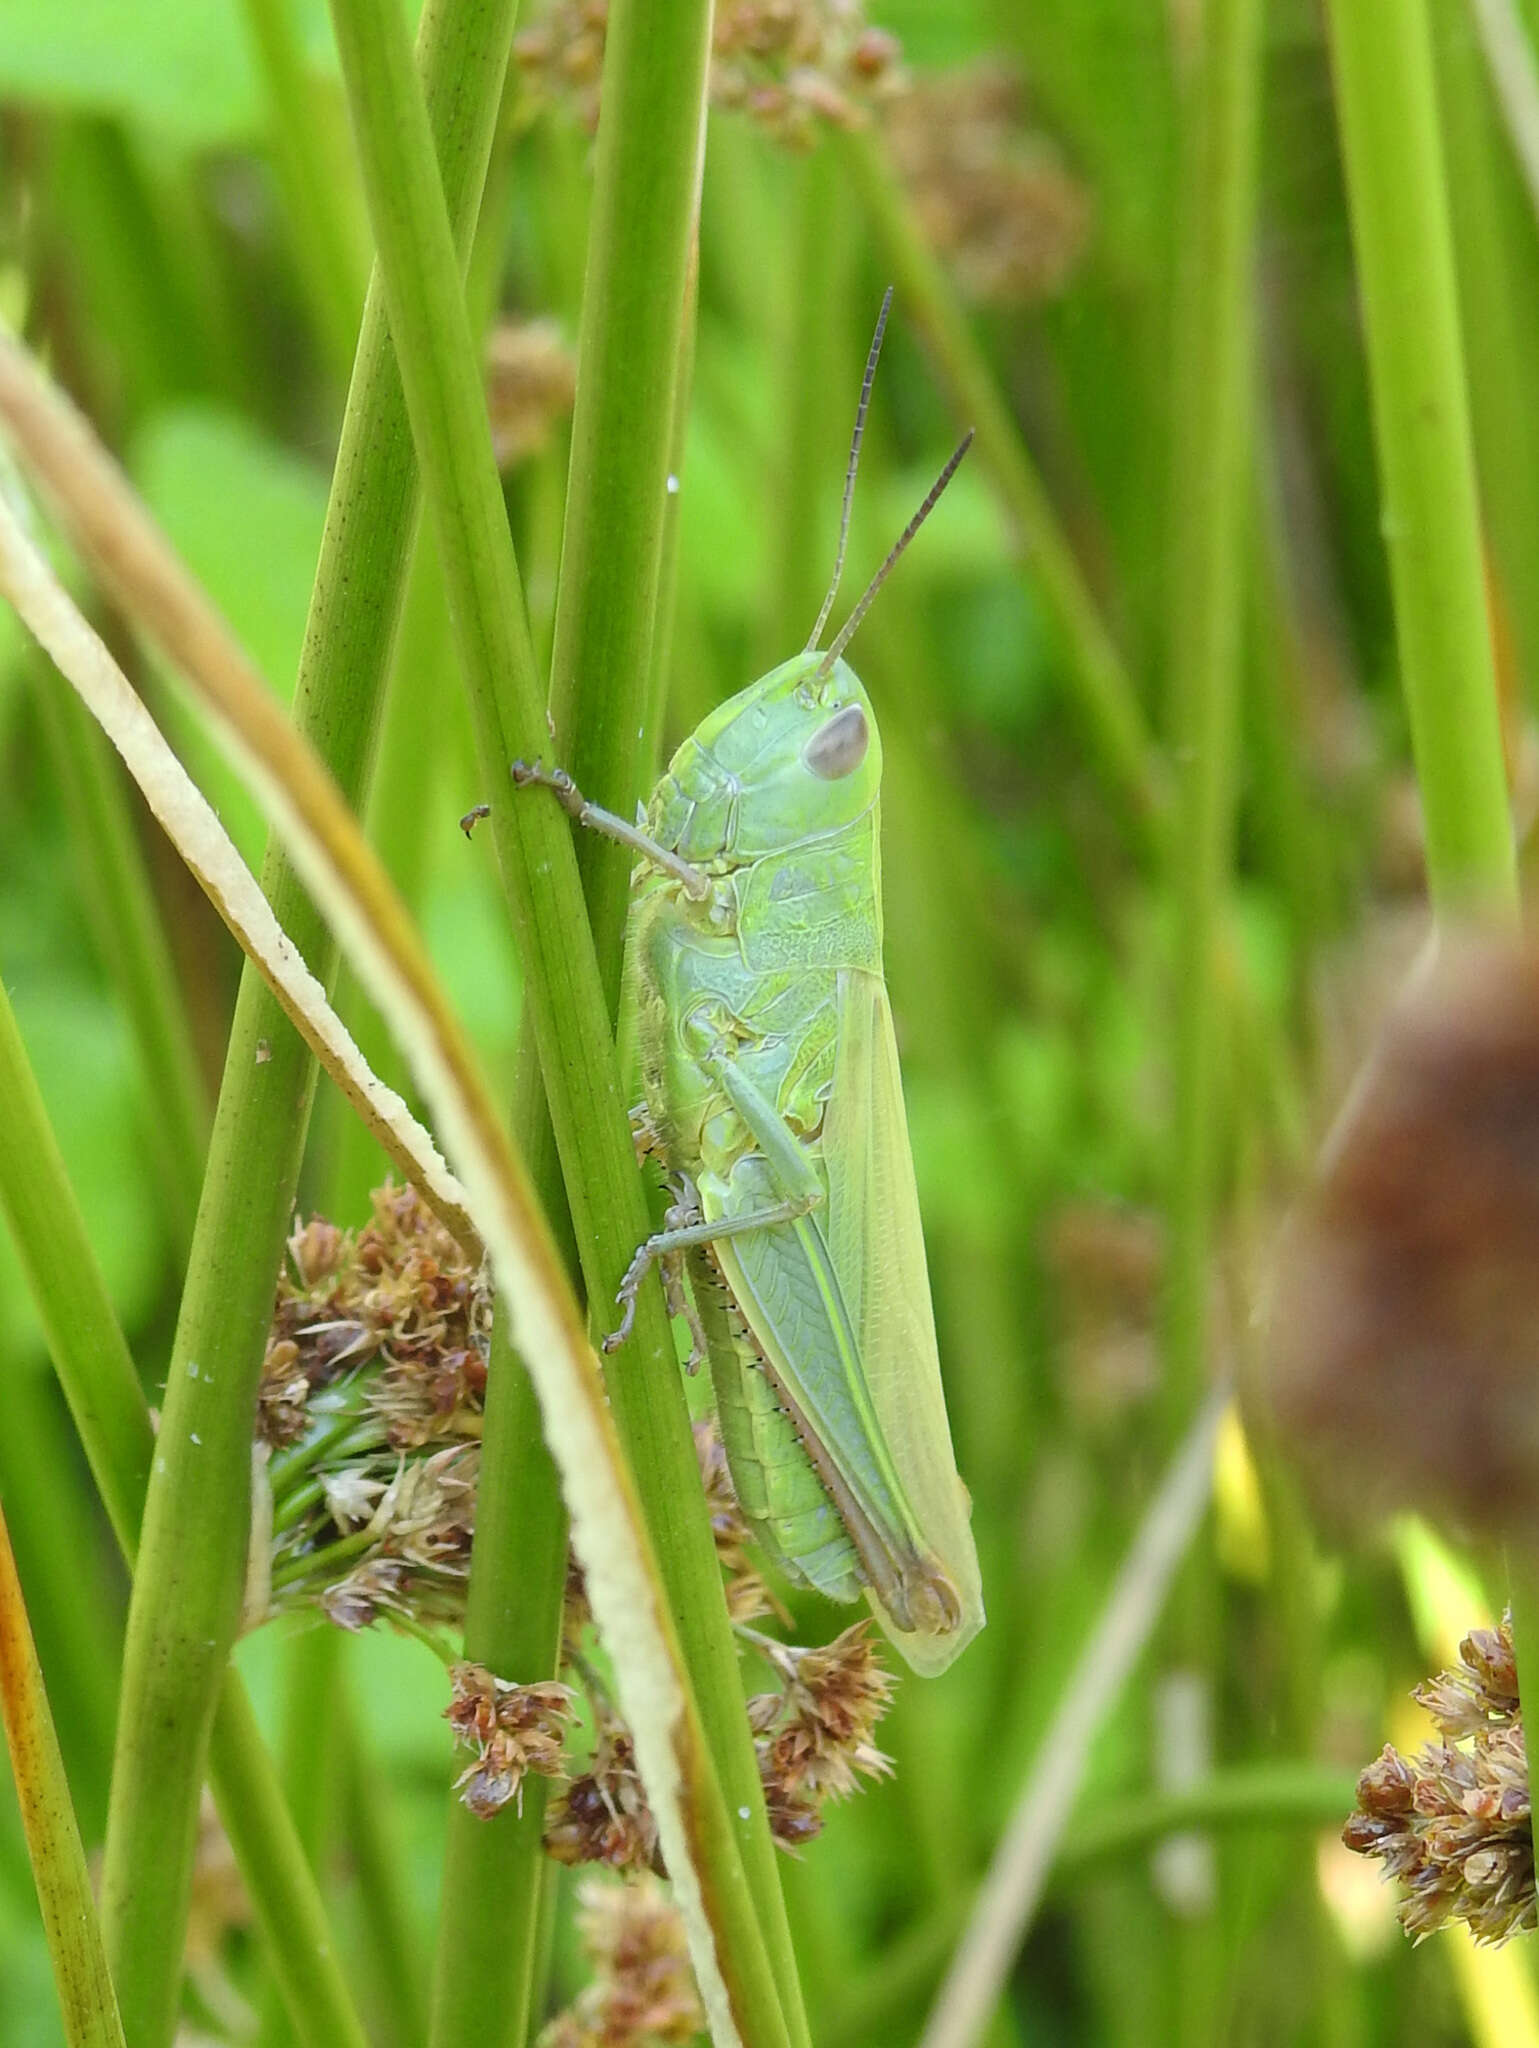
{"points": [[657, 1247], [535, 775], [473, 817]]}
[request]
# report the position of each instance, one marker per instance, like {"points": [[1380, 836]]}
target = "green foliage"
{"points": [[245, 515], [81, 1055]]}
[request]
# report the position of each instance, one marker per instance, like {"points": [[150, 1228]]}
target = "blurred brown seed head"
{"points": [[1105, 1263], [1403, 1320], [219, 1901], [992, 191], [531, 382], [790, 65], [643, 1990]]}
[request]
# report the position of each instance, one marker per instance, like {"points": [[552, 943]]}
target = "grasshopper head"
{"points": [[794, 756]]}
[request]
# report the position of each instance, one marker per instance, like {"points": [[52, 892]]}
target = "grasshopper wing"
{"points": [[877, 1248]]}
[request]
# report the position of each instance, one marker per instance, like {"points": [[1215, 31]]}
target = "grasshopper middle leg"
{"points": [[665, 1244]]}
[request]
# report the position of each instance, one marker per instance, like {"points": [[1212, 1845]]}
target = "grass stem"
{"points": [[187, 1597], [1387, 108]]}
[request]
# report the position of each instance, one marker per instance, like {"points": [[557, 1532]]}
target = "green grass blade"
{"points": [[186, 1599], [1387, 107], [96, 1372], [85, 1341], [632, 391], [496, 1871], [126, 924], [1211, 499], [1209, 559], [326, 241], [88, 2006], [640, 249]]}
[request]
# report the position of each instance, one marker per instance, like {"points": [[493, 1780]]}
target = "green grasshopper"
{"points": [[773, 1098]]}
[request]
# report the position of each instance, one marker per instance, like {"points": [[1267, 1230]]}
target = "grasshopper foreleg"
{"points": [[576, 805], [665, 1245]]}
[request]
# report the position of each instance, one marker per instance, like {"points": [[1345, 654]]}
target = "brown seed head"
{"points": [[399, 1292], [815, 1737], [1403, 1339]]}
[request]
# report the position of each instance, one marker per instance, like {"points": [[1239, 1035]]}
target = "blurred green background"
{"points": [[197, 289]]}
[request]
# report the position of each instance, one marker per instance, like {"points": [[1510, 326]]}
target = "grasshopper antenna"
{"points": [[846, 632], [854, 464]]}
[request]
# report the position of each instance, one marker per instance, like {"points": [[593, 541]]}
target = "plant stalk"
{"points": [[87, 2005], [564, 987], [112, 1419], [187, 1596], [1386, 105]]}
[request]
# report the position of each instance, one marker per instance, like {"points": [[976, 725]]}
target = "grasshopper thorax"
{"points": [[795, 756]]}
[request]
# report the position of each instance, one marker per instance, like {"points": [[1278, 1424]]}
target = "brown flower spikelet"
{"points": [[514, 1729], [370, 1416], [1403, 1326], [422, 1521], [814, 1738], [1453, 1826], [602, 1816], [399, 1291], [643, 1991]]}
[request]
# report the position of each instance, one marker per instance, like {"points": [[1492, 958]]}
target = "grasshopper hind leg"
{"points": [[676, 1294]]}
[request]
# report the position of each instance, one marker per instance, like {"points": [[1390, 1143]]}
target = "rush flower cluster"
{"points": [[513, 1729], [814, 1736], [1453, 1826], [369, 1421]]}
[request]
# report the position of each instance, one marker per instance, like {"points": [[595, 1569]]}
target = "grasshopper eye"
{"points": [[837, 748]]}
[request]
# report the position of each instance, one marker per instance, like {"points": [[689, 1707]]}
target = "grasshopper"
{"points": [[773, 1099]]}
